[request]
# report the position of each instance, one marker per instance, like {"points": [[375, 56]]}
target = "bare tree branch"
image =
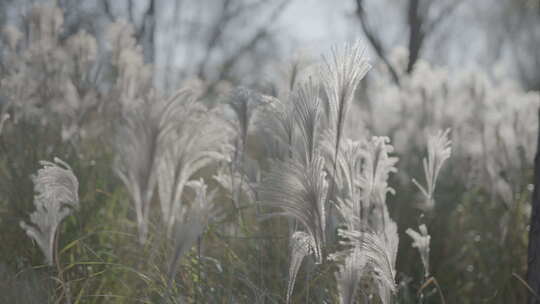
{"points": [[228, 13], [215, 36], [107, 9], [374, 41], [147, 32], [130, 11], [447, 11], [261, 33], [416, 32], [231, 61], [420, 26]]}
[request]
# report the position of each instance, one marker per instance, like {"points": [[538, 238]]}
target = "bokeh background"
{"points": [[69, 68]]}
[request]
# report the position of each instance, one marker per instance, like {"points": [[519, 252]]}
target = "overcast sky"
{"points": [[313, 26], [316, 24]]}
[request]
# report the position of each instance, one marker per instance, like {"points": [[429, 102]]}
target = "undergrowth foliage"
{"points": [[305, 195]]}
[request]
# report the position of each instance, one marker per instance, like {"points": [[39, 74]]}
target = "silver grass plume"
{"points": [[439, 150], [288, 75], [341, 74], [139, 144], [192, 222], [349, 166], [195, 141], [244, 103], [346, 177], [350, 272], [301, 245], [377, 166], [362, 171], [380, 249], [369, 226], [3, 120], [138, 147], [56, 196], [361, 178], [307, 112], [226, 181], [299, 192], [278, 126], [421, 242], [351, 211]]}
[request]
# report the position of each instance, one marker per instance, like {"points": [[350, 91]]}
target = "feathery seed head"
{"points": [[56, 196], [421, 241]]}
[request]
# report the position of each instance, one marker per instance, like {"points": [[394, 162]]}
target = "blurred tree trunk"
{"points": [[533, 261], [422, 20], [144, 29], [146, 33], [416, 33]]}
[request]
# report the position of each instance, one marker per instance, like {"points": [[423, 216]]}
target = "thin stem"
{"points": [[439, 290], [308, 275], [199, 266], [65, 288], [529, 288]]}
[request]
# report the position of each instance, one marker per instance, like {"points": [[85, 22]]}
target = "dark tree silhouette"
{"points": [[421, 22], [533, 262]]}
